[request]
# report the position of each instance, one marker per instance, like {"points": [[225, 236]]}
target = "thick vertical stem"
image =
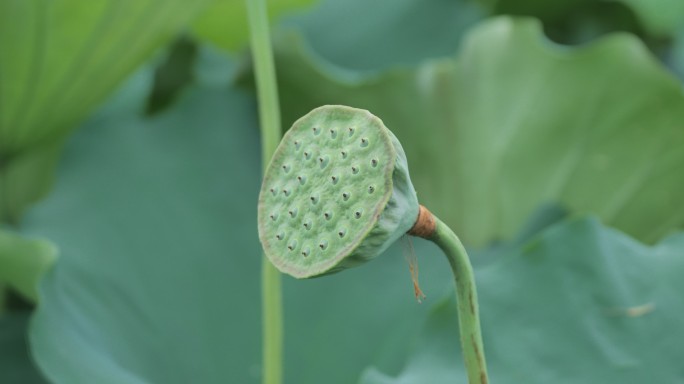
{"points": [[430, 227], [269, 118]]}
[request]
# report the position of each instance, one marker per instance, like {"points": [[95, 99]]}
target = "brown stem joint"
{"points": [[425, 224]]}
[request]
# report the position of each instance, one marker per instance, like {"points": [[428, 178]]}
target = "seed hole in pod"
{"points": [[327, 215], [292, 212], [307, 155], [344, 154], [371, 189], [323, 245], [334, 179], [315, 130], [280, 236], [364, 142], [292, 245], [301, 180], [333, 133], [323, 161], [374, 163], [273, 191], [305, 252], [274, 216], [314, 199], [286, 192], [297, 144], [351, 131], [307, 225], [358, 214], [286, 168], [341, 233], [355, 170], [346, 195]]}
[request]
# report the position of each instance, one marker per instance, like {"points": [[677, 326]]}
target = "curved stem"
{"points": [[269, 118], [468, 313]]}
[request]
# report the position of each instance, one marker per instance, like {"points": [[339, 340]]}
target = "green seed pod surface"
{"points": [[336, 193]]}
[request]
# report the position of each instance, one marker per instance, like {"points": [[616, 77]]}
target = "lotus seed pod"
{"points": [[336, 193]]}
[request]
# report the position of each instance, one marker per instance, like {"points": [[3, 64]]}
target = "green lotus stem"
{"points": [[269, 117], [433, 229]]}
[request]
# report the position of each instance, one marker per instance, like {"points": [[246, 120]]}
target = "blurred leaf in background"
{"points": [[661, 17], [58, 60], [578, 303], [514, 122], [370, 36], [568, 20], [16, 366]]}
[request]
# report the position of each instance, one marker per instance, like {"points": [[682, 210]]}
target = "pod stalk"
{"points": [[429, 227]]}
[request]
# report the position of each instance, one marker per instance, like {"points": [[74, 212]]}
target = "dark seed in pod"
{"points": [[357, 214], [292, 245], [344, 154], [374, 162], [355, 170], [351, 131], [371, 189], [364, 142], [327, 215], [340, 233], [345, 196]]}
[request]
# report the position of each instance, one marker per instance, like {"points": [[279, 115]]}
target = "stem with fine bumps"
{"points": [[269, 118], [431, 228]]}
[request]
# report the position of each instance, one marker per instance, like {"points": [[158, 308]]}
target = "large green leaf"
{"points": [[659, 17], [363, 35], [516, 121], [58, 60], [580, 303], [158, 278], [662, 17], [61, 58]]}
